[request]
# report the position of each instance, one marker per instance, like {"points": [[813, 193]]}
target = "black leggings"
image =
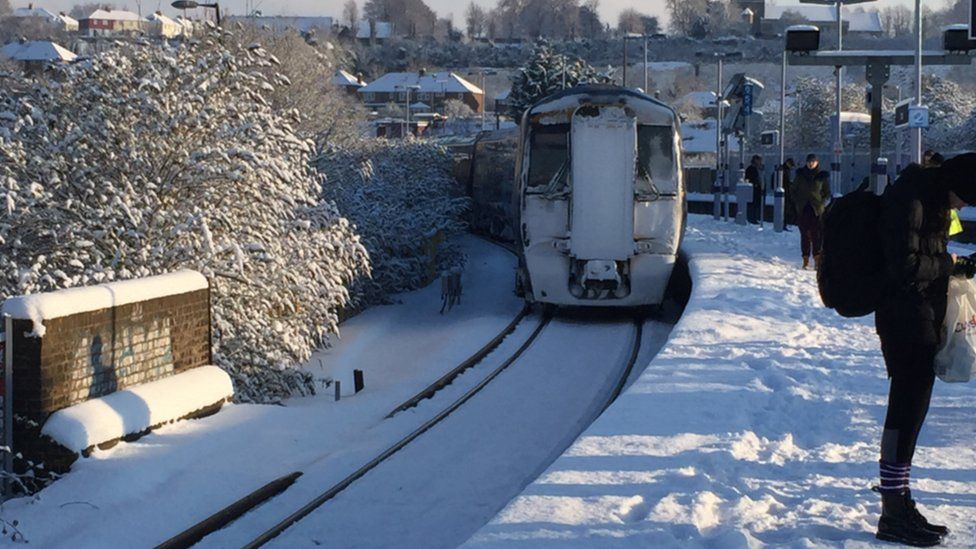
{"points": [[908, 404]]}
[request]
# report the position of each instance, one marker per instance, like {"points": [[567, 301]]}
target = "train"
{"points": [[594, 202]]}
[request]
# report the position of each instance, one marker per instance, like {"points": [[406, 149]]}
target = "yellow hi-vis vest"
{"points": [[955, 225]]}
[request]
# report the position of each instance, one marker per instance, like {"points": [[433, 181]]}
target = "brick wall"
{"points": [[92, 354]]}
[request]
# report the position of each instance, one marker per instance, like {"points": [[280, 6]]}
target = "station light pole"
{"points": [[720, 190], [634, 36], [484, 90], [917, 132], [835, 165]]}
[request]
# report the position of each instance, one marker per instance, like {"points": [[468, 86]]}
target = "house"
{"points": [[374, 31], [36, 54], [162, 26], [433, 89], [702, 101], [347, 82], [59, 20], [187, 26], [778, 17], [109, 22]]}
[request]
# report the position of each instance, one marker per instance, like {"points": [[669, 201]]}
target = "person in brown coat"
{"points": [[810, 192]]}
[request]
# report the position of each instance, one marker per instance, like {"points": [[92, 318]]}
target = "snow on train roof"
{"points": [[648, 109]]}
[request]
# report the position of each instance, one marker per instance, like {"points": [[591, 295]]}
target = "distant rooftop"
{"points": [[37, 50], [447, 82], [115, 15], [867, 21], [343, 78]]}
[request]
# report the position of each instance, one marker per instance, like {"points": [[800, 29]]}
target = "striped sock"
{"points": [[894, 476]]}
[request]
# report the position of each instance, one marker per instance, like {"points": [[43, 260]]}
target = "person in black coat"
{"points": [[789, 210], [754, 177], [913, 229], [810, 193]]}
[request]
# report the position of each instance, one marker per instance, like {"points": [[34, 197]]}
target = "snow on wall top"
{"points": [[49, 305], [138, 408]]}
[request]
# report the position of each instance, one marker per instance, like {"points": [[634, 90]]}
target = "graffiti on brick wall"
{"points": [[107, 360]]}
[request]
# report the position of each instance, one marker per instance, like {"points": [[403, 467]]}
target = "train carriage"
{"points": [[600, 199]]}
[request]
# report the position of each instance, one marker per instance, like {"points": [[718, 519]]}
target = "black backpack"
{"points": [[852, 262]]}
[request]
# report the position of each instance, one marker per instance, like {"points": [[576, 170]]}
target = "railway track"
{"points": [[224, 517], [229, 514]]}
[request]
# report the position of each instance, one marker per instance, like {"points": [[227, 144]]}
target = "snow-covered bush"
{"points": [[145, 161], [399, 195]]}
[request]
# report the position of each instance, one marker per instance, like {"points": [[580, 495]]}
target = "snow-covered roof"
{"points": [[383, 29], [446, 82], [700, 99], [31, 11], [698, 137], [115, 15], [665, 66], [866, 21], [37, 50], [162, 19], [186, 22], [343, 78]]}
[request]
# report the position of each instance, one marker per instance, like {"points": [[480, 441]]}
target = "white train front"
{"points": [[601, 201]]}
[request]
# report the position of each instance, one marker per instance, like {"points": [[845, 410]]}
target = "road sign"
{"points": [[918, 116], [747, 99], [901, 113]]}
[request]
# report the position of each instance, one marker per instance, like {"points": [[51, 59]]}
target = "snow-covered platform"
{"points": [[757, 424]]}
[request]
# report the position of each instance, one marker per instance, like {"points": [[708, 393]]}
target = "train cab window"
{"points": [[655, 160], [549, 156]]}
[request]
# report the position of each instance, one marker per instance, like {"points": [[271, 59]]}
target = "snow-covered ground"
{"points": [[139, 494], [758, 424]]}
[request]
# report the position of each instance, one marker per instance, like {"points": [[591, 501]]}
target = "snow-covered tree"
{"points": [[399, 195], [144, 161], [328, 116], [546, 73], [455, 108]]}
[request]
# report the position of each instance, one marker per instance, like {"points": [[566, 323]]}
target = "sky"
{"points": [[609, 9]]}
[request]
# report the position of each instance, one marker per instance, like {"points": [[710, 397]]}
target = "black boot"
{"points": [[900, 522], [936, 528]]}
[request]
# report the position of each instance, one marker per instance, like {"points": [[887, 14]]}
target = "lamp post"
{"points": [[406, 87], [917, 132], [634, 36], [720, 190], [484, 90], [193, 4]]}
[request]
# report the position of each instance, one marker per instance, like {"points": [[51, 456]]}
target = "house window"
{"points": [[402, 96], [423, 96], [369, 96]]}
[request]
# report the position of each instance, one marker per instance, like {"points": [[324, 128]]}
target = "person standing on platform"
{"points": [[811, 193]]}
